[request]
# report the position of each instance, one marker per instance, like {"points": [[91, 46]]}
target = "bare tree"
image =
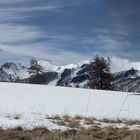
{"points": [[100, 75], [35, 69]]}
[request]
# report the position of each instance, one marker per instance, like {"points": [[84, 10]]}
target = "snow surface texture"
{"points": [[29, 105]]}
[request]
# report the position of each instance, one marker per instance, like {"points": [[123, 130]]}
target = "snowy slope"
{"points": [[35, 102]]}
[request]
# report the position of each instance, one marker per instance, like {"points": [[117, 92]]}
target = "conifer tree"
{"points": [[100, 75], [35, 69]]}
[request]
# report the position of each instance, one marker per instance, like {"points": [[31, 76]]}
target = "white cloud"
{"points": [[12, 33], [21, 12], [15, 33], [119, 64], [13, 1], [43, 52], [63, 56]]}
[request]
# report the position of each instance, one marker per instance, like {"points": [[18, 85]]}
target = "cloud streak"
{"points": [[41, 52], [13, 33]]}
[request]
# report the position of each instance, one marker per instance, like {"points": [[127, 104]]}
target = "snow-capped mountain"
{"points": [[128, 74], [128, 81], [12, 71], [70, 75]]}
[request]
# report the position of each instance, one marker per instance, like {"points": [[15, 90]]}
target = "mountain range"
{"points": [[70, 75]]}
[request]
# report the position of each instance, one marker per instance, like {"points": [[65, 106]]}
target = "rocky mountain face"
{"points": [[75, 77], [127, 81], [70, 75], [11, 71]]}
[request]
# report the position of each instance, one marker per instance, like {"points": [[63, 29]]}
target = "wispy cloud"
{"points": [[13, 33], [22, 10], [123, 64], [41, 51], [49, 8], [13, 1]]}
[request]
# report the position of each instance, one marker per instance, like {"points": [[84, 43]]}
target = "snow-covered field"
{"points": [[31, 105]]}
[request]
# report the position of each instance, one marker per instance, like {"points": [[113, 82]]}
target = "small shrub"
{"points": [[67, 118], [88, 121], [111, 121], [19, 128], [57, 117], [78, 117], [74, 123], [132, 122], [17, 117], [60, 122]]}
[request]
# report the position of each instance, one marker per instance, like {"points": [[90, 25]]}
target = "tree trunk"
{"points": [[101, 79], [37, 77]]}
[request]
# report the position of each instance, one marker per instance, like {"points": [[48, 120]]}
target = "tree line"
{"points": [[100, 76]]}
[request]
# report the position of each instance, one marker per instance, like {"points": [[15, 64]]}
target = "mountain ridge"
{"points": [[71, 75]]}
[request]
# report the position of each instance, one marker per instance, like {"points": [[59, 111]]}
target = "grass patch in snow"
{"points": [[78, 117], [131, 122], [119, 121], [67, 118], [106, 120], [60, 122], [74, 123], [88, 121], [67, 121], [57, 117]]}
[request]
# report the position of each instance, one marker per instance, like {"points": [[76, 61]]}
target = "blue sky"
{"points": [[69, 31]]}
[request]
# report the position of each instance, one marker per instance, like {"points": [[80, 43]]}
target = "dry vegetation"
{"points": [[95, 133], [60, 122], [74, 123], [67, 121], [79, 122], [88, 121], [75, 130], [16, 117], [117, 121]]}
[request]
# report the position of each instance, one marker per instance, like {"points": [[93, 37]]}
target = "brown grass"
{"points": [[78, 117], [74, 123], [95, 133], [105, 120], [127, 122], [67, 118], [88, 121], [60, 122], [57, 117], [131, 122]]}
